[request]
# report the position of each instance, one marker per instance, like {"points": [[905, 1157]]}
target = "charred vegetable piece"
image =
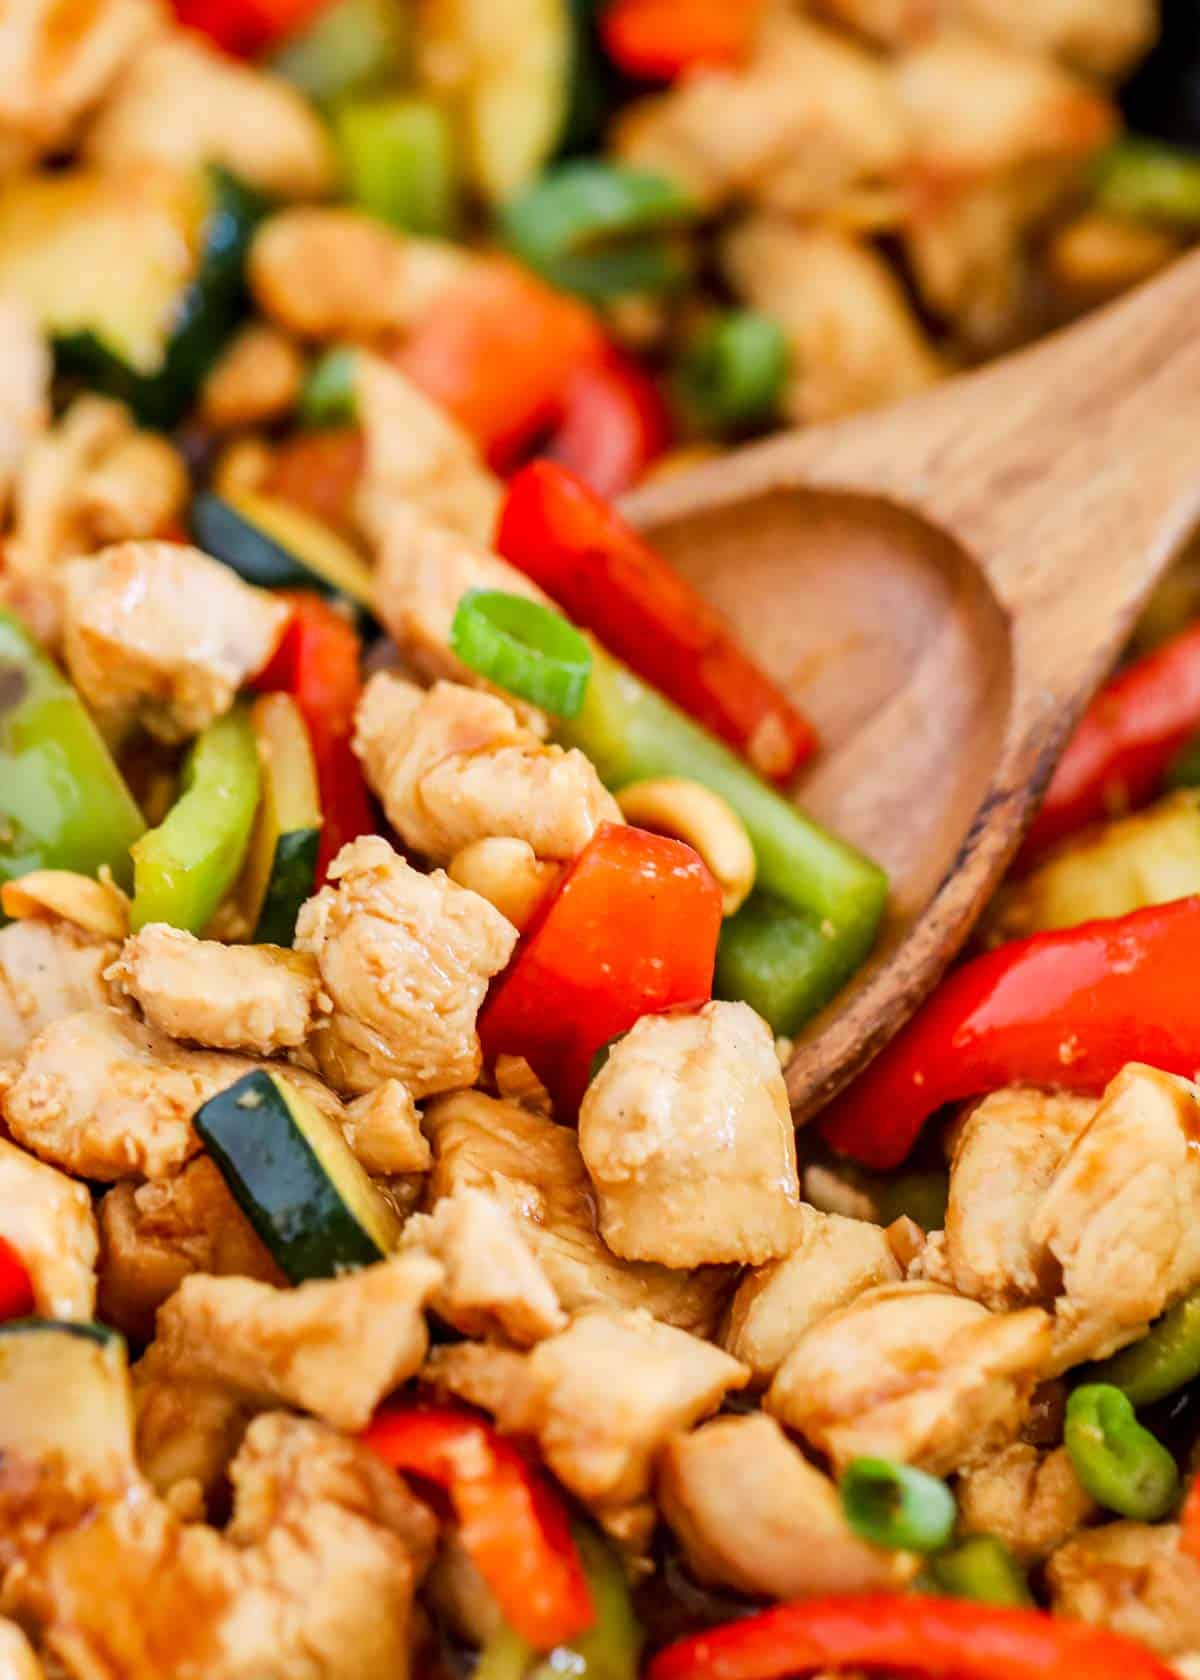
{"points": [[1121, 1465], [524, 648], [1165, 1359], [397, 161], [281, 864], [64, 1393], [277, 546], [293, 1175], [63, 802]]}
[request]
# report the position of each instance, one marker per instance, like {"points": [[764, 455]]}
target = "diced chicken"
{"points": [[383, 1129], [451, 766], [258, 998], [330, 1348], [156, 633], [912, 1372], [688, 1140], [752, 1513], [17, 1661], [1031, 1500], [854, 340], [534, 1167], [602, 1398], [47, 1218], [833, 1262], [48, 969], [56, 64], [135, 490], [256, 379], [424, 571], [25, 368], [414, 452], [155, 1235], [1132, 1578], [811, 120], [222, 111], [1101, 36], [406, 959], [492, 1284], [185, 1432], [338, 273]]}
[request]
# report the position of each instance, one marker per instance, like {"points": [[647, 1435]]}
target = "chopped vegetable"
{"points": [[779, 961], [329, 397], [63, 803], [895, 1506], [614, 424], [277, 546], [607, 579], [1062, 1009], [1117, 1461], [281, 861], [349, 45], [319, 472], [608, 1650], [631, 931], [983, 1569], [659, 40], [1189, 1522], [183, 868], [246, 27], [524, 648], [733, 374], [397, 161], [881, 1632], [16, 1286], [510, 1523], [1165, 1359], [1149, 181], [65, 1400]]}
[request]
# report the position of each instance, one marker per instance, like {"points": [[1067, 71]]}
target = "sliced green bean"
{"points": [[1167, 1357], [1121, 1465]]}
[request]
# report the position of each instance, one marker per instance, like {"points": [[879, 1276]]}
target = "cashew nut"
{"points": [[507, 873], [687, 811]]}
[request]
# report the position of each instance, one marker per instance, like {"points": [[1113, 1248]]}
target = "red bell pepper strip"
{"points": [[16, 1286], [1128, 737], [320, 471], [609, 581], [1065, 1009], [497, 350], [631, 931], [317, 662], [937, 1638], [1189, 1521], [614, 424], [247, 27], [510, 1523], [659, 40]]}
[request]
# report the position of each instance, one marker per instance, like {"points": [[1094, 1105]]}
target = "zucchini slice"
{"points": [[65, 1394], [278, 546], [294, 1176], [281, 864]]}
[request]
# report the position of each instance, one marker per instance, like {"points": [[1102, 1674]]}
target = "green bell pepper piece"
{"points": [[397, 160], [1121, 1464], [330, 394], [776, 959], [981, 1568], [608, 1650], [1149, 181], [183, 868], [63, 802], [1167, 1357]]}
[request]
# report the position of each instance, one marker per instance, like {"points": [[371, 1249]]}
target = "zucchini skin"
{"points": [[293, 878]]}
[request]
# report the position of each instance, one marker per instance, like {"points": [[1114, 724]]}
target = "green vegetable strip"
{"points": [[397, 161], [896, 1506], [609, 1650], [523, 647], [1166, 1358], [63, 803], [329, 397], [1121, 1465], [981, 1568], [183, 868], [778, 961], [733, 374]]}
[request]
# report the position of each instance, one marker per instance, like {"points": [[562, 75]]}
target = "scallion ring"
{"points": [[524, 648], [896, 1506]]}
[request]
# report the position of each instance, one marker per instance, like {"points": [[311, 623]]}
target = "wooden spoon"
{"points": [[942, 586]]}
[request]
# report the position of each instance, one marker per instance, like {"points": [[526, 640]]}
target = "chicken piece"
{"points": [[185, 1432], [424, 571], [599, 1431], [383, 1129], [833, 1262], [154, 1235], [58, 62], [47, 1218], [330, 1348], [853, 338], [911, 1372], [535, 1169], [338, 273], [48, 969], [809, 121], [138, 488], [451, 766], [259, 998], [492, 1284], [222, 111], [751, 1513], [406, 959], [1031, 1500], [1006, 1154], [1103, 37], [25, 368], [1132, 1578], [687, 1137], [156, 633], [255, 379], [1096, 256], [17, 1661]]}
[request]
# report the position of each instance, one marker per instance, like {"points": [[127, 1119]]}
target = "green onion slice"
{"points": [[524, 648], [1121, 1464], [895, 1506], [732, 376], [981, 1568]]}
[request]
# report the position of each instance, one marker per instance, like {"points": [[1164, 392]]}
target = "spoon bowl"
{"points": [[942, 586]]}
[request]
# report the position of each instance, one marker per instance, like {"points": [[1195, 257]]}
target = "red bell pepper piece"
{"points": [[1189, 1521], [659, 40], [320, 471], [317, 662], [942, 1638], [510, 1523], [16, 1286], [615, 422], [497, 350], [1065, 1009], [631, 931], [1128, 737], [247, 27], [607, 579]]}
